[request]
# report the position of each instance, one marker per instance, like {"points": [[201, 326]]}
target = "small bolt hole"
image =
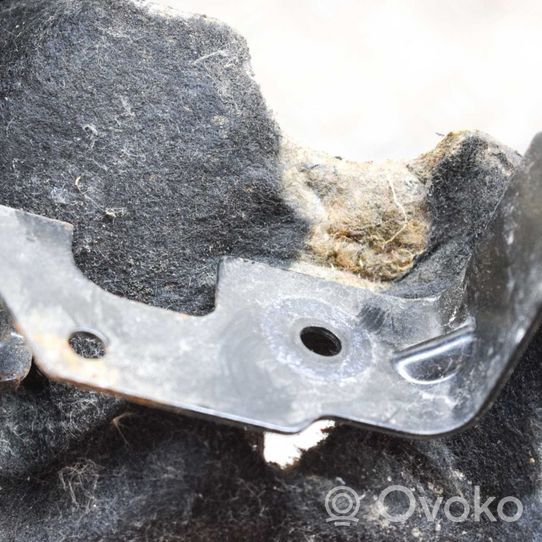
{"points": [[87, 345], [321, 341]]}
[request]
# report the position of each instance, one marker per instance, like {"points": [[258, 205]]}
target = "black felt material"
{"points": [[466, 185], [150, 136]]}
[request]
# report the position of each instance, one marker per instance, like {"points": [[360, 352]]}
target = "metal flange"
{"points": [[283, 349]]}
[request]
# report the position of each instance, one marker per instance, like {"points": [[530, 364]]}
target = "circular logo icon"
{"points": [[342, 505]]}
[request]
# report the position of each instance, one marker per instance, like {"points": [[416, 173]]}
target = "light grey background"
{"points": [[377, 79]]}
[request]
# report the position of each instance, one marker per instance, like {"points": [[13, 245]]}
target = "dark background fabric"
{"points": [[149, 134]]}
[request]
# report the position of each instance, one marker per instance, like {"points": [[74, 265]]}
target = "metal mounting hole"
{"points": [[87, 345], [321, 341]]}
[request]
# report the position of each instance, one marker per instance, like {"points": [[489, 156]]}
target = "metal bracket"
{"points": [[15, 357], [283, 349]]}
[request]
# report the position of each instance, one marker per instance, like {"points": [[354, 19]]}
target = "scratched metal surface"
{"points": [[418, 366]]}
